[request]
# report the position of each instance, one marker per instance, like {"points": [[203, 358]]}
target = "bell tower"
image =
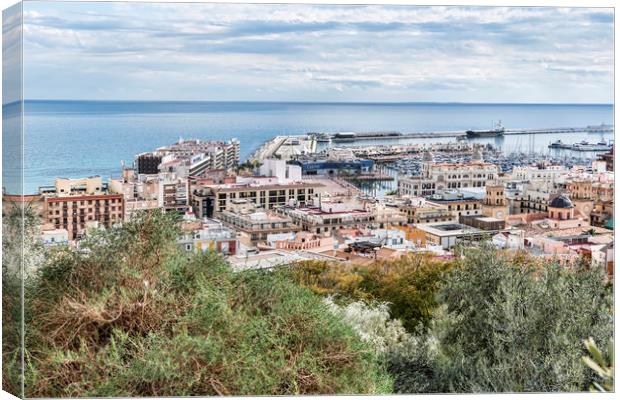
{"points": [[580, 193], [495, 203]]}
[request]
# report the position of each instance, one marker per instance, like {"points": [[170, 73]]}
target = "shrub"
{"points": [[408, 285], [128, 314], [21, 255], [372, 323]]}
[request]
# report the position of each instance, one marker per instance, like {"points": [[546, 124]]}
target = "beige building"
{"points": [[441, 176], [329, 216], [255, 224], [139, 193], [418, 211], [74, 204], [266, 193], [456, 203]]}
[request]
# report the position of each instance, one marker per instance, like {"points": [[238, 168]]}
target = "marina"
{"points": [[394, 158], [390, 146]]}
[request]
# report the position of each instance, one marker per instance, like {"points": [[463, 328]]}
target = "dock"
{"points": [[355, 137], [285, 147]]}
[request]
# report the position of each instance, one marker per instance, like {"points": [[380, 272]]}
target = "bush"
{"points": [[21, 255], [508, 327], [130, 315], [408, 285], [372, 323]]}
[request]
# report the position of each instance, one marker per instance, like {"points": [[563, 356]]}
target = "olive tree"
{"points": [[506, 326]]}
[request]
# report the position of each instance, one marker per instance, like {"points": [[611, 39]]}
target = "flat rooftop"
{"points": [[447, 229], [332, 186]]}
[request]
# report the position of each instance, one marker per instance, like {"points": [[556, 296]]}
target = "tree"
{"points": [[508, 327]]}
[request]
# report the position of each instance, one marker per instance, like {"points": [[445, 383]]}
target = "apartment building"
{"points": [[189, 158], [328, 216], [456, 203], [173, 193], [210, 235], [74, 204], [256, 224], [277, 185], [418, 211], [140, 192]]}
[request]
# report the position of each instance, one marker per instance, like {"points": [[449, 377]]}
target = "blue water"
{"points": [[79, 138]]}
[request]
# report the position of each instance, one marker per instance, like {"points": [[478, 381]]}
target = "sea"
{"points": [[84, 138]]}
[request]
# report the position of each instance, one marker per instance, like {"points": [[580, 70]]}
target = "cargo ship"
{"points": [[498, 130], [353, 136]]}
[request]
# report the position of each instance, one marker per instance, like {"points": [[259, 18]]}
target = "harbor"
{"points": [[395, 155], [390, 146], [497, 130]]}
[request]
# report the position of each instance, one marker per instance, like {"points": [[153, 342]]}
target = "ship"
{"points": [[497, 131], [321, 137], [353, 136], [558, 145]]}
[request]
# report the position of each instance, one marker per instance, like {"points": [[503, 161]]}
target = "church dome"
{"points": [[562, 201]]}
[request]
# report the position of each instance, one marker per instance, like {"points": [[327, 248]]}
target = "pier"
{"points": [[355, 137], [285, 147]]}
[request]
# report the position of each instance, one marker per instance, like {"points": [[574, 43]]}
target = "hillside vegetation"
{"points": [[408, 285], [130, 315]]}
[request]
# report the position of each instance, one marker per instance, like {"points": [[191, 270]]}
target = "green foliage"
{"points": [[21, 255], [248, 165], [508, 327], [408, 284], [128, 314], [602, 364], [372, 323]]}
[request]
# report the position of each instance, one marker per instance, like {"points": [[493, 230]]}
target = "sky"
{"points": [[317, 53]]}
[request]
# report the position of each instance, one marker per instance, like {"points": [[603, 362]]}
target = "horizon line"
{"points": [[309, 102]]}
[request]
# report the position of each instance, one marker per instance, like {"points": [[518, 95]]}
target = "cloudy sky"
{"points": [[144, 51]]}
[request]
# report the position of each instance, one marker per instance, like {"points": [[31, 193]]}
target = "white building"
{"points": [[433, 177], [283, 172]]}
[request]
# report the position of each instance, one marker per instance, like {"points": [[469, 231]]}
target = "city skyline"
{"points": [[317, 53]]}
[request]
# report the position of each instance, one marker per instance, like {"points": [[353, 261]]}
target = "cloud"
{"points": [[11, 54], [318, 52]]}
